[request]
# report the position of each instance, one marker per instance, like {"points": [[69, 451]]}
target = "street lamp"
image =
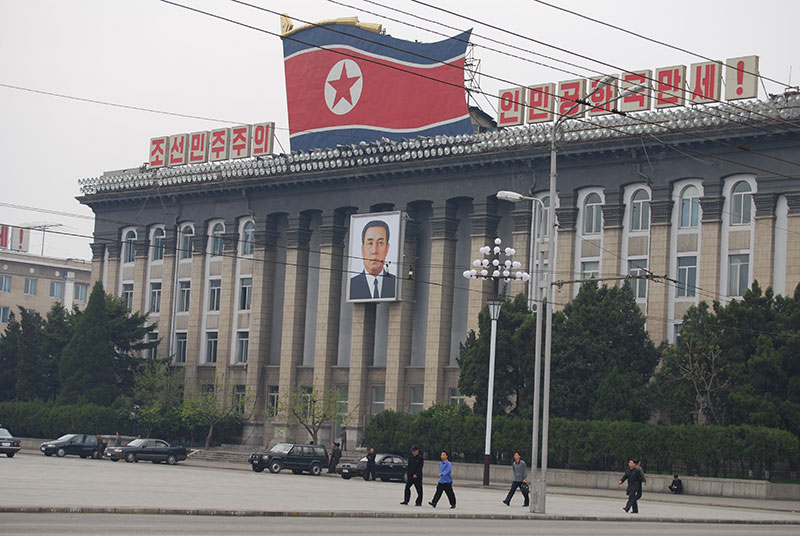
{"points": [[492, 268]]}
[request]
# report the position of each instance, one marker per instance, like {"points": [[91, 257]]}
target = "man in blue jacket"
{"points": [[445, 482]]}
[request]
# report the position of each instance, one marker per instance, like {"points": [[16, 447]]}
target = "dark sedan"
{"points": [[8, 444], [387, 467], [154, 450], [83, 445]]}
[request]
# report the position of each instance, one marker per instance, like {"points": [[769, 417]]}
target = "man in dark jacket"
{"points": [[336, 455], [369, 474], [414, 476], [634, 491]]}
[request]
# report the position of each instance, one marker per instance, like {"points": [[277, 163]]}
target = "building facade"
{"points": [[243, 264], [36, 283]]}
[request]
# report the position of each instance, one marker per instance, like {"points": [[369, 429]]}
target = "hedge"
{"points": [[589, 445]]}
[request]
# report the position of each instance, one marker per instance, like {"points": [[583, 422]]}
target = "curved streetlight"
{"points": [[491, 267]]}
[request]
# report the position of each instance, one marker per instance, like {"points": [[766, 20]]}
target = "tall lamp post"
{"points": [[492, 268]]}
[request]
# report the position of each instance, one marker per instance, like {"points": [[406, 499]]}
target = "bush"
{"points": [[39, 419]]}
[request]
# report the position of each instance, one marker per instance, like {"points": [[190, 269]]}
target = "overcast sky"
{"points": [[150, 54]]}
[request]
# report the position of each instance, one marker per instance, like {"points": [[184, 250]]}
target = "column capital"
{"points": [[566, 218], [712, 208], [661, 211], [230, 241], [199, 243], [793, 200], [142, 248], [765, 205], [613, 216], [114, 250], [484, 224], [98, 250], [522, 219], [298, 233]]}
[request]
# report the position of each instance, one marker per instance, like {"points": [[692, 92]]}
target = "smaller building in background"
{"points": [[36, 283]]}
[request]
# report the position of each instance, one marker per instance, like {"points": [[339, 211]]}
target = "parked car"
{"points": [[387, 467], [154, 450], [8, 444], [83, 445], [298, 458]]}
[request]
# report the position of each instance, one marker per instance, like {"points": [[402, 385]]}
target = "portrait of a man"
{"points": [[374, 281]]}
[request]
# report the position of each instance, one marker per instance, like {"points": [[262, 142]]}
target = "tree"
{"points": [[311, 408], [514, 358], [58, 329], [29, 356], [9, 350], [206, 408], [158, 393], [602, 356]]}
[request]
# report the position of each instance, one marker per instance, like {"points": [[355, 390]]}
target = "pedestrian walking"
{"points": [[445, 483], [336, 455], [519, 480], [639, 468], [634, 491], [370, 472], [117, 440], [344, 438], [414, 476]]}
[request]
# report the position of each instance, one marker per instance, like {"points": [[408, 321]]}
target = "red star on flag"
{"points": [[342, 86]]}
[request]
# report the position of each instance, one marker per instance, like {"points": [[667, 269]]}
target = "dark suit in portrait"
{"points": [[359, 287]]}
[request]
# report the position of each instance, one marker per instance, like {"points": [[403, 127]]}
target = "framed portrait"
{"points": [[375, 252]]}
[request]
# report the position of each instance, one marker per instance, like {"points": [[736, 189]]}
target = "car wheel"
{"points": [[10, 454], [130, 457], [258, 468], [171, 459], [275, 467], [61, 453], [114, 459], [83, 456], [48, 453], [316, 469]]}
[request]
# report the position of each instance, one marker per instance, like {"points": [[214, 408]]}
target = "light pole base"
{"points": [[538, 496], [487, 458]]}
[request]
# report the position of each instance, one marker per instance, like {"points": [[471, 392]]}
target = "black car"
{"points": [[298, 458], [154, 450], [83, 445], [387, 467], [8, 444]]}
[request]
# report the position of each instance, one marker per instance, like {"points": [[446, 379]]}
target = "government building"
{"points": [[244, 264]]}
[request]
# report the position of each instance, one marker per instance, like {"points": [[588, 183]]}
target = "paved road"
{"points": [[73, 482], [122, 525]]}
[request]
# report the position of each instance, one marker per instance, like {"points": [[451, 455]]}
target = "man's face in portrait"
{"points": [[374, 250]]}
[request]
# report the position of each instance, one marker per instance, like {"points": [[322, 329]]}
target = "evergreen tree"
{"points": [[9, 350], [58, 329], [29, 356]]}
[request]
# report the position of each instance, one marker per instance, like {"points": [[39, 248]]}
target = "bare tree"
{"points": [[312, 408], [703, 367], [207, 408]]}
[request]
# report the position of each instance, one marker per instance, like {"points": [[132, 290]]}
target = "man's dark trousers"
{"points": [[633, 499], [514, 486], [446, 488], [417, 483]]}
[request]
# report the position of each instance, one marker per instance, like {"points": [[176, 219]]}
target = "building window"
{"points": [[207, 389], [155, 297], [248, 238], [214, 291], [57, 289], [738, 274], [4, 314], [341, 399], [272, 400], [127, 295], [217, 243], [306, 401], [378, 397], [592, 214], [211, 346], [129, 250], [181, 340], [245, 291], [157, 248], [5, 283], [678, 328], [640, 210], [187, 233], [30, 286], [590, 270], [690, 207], [81, 291], [242, 345], [184, 296], [687, 276], [415, 400], [152, 353], [456, 397], [741, 204], [638, 267], [239, 395]]}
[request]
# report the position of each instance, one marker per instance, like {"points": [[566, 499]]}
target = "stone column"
{"points": [[266, 237], [298, 236], [165, 326], [710, 242], [98, 262], [112, 271], [194, 337], [764, 243], [140, 273], [484, 230], [793, 243], [329, 298], [658, 293], [401, 316], [522, 243], [440, 301], [565, 252], [362, 349], [611, 255], [228, 309]]}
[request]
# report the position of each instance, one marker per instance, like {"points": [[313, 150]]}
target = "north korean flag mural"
{"points": [[345, 84]]}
